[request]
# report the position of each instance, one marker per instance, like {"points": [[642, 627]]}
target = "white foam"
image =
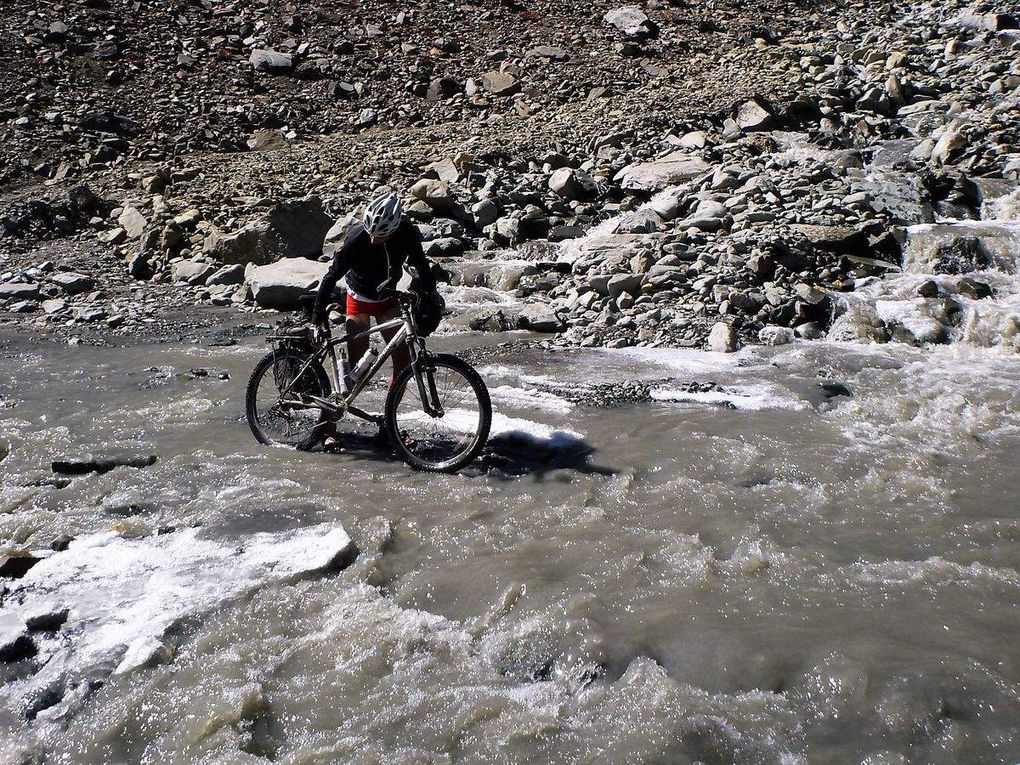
{"points": [[750, 398], [530, 398]]}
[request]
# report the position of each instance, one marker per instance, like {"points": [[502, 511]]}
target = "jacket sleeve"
{"points": [[337, 270], [416, 257]]}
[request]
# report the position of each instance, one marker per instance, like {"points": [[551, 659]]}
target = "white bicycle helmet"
{"points": [[383, 215]]}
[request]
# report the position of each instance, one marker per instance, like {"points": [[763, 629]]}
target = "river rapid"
{"points": [[813, 559]]}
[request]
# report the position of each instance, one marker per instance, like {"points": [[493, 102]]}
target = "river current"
{"points": [[814, 559]]}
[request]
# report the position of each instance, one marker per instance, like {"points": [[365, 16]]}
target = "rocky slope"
{"points": [[665, 174]]}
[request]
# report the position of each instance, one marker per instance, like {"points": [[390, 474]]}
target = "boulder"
{"points": [[722, 338], [271, 61], [774, 335], [19, 291], [499, 83], [572, 184], [539, 317], [434, 193], [624, 284], [293, 228], [753, 115], [443, 247], [670, 170], [547, 51], [73, 283], [132, 221], [191, 271], [632, 22], [972, 288], [280, 285], [233, 274], [15, 642], [839, 239]]}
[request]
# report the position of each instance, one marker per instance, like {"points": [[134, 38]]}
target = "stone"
{"points": [[73, 283], [232, 274], [632, 22], [15, 642], [434, 193], [539, 317], [499, 83], [972, 288], [140, 267], [547, 51], [19, 291], [48, 620], [132, 221], [271, 61], [191, 272], [280, 285], [756, 114], [722, 338], [441, 88], [620, 284], [485, 212], [774, 335], [101, 462], [929, 289], [952, 141], [293, 228], [112, 236], [572, 184], [443, 247], [670, 170], [838, 239], [15, 565]]}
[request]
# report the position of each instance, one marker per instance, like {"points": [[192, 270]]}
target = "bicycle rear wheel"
{"points": [[447, 442], [279, 400]]}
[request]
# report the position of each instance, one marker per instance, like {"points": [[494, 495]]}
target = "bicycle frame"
{"points": [[345, 397]]}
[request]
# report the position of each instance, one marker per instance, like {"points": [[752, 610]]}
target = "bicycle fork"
{"points": [[425, 377]]}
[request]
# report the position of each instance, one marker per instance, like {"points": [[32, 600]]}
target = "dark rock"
{"points": [[73, 283], [15, 643], [79, 464], [15, 565], [929, 289], [974, 289], [47, 621]]}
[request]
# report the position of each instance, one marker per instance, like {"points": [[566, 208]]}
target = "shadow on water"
{"points": [[507, 455]]}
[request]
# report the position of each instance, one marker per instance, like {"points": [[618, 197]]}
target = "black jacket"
{"points": [[368, 266]]}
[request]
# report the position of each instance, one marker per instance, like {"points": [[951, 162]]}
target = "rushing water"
{"points": [[764, 570]]}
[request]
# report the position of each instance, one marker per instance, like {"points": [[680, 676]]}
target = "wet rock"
{"points": [[15, 642], [632, 22], [774, 335], [271, 61], [722, 338], [280, 285], [929, 289], [16, 564], [973, 288], [834, 389], [840, 239], [47, 620], [80, 464], [73, 283]]}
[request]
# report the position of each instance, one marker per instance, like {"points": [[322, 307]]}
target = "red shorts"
{"points": [[378, 310]]}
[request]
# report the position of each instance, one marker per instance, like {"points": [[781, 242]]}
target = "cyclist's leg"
{"points": [[356, 347], [401, 357]]}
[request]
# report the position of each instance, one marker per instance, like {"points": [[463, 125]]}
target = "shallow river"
{"points": [[769, 571]]}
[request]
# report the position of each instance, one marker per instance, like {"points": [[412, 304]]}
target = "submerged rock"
{"points": [[79, 464]]}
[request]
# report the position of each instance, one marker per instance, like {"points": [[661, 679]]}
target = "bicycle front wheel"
{"points": [[441, 441]]}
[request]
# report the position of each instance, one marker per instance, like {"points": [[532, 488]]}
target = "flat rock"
{"points": [[19, 291], [73, 283], [79, 464], [191, 272], [631, 21], [674, 168], [271, 61], [281, 285], [539, 317], [500, 83], [132, 221]]}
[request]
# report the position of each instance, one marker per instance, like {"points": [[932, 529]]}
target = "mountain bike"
{"points": [[437, 413]]}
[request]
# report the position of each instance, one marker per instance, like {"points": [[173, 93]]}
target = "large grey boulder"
{"points": [[434, 193], [233, 274], [191, 271], [294, 228], [73, 283], [572, 184], [280, 285], [539, 317], [755, 115], [670, 170], [722, 338]]}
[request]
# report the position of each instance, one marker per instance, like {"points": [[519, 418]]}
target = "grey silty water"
{"points": [[763, 570]]}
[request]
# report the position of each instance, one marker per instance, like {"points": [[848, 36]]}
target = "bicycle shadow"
{"points": [[507, 455]]}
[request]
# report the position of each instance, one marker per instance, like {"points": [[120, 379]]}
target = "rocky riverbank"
{"points": [[656, 175]]}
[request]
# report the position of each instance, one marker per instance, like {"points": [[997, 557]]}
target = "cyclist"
{"points": [[372, 258]]}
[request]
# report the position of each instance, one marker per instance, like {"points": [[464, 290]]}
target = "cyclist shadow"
{"points": [[512, 454], [507, 455]]}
